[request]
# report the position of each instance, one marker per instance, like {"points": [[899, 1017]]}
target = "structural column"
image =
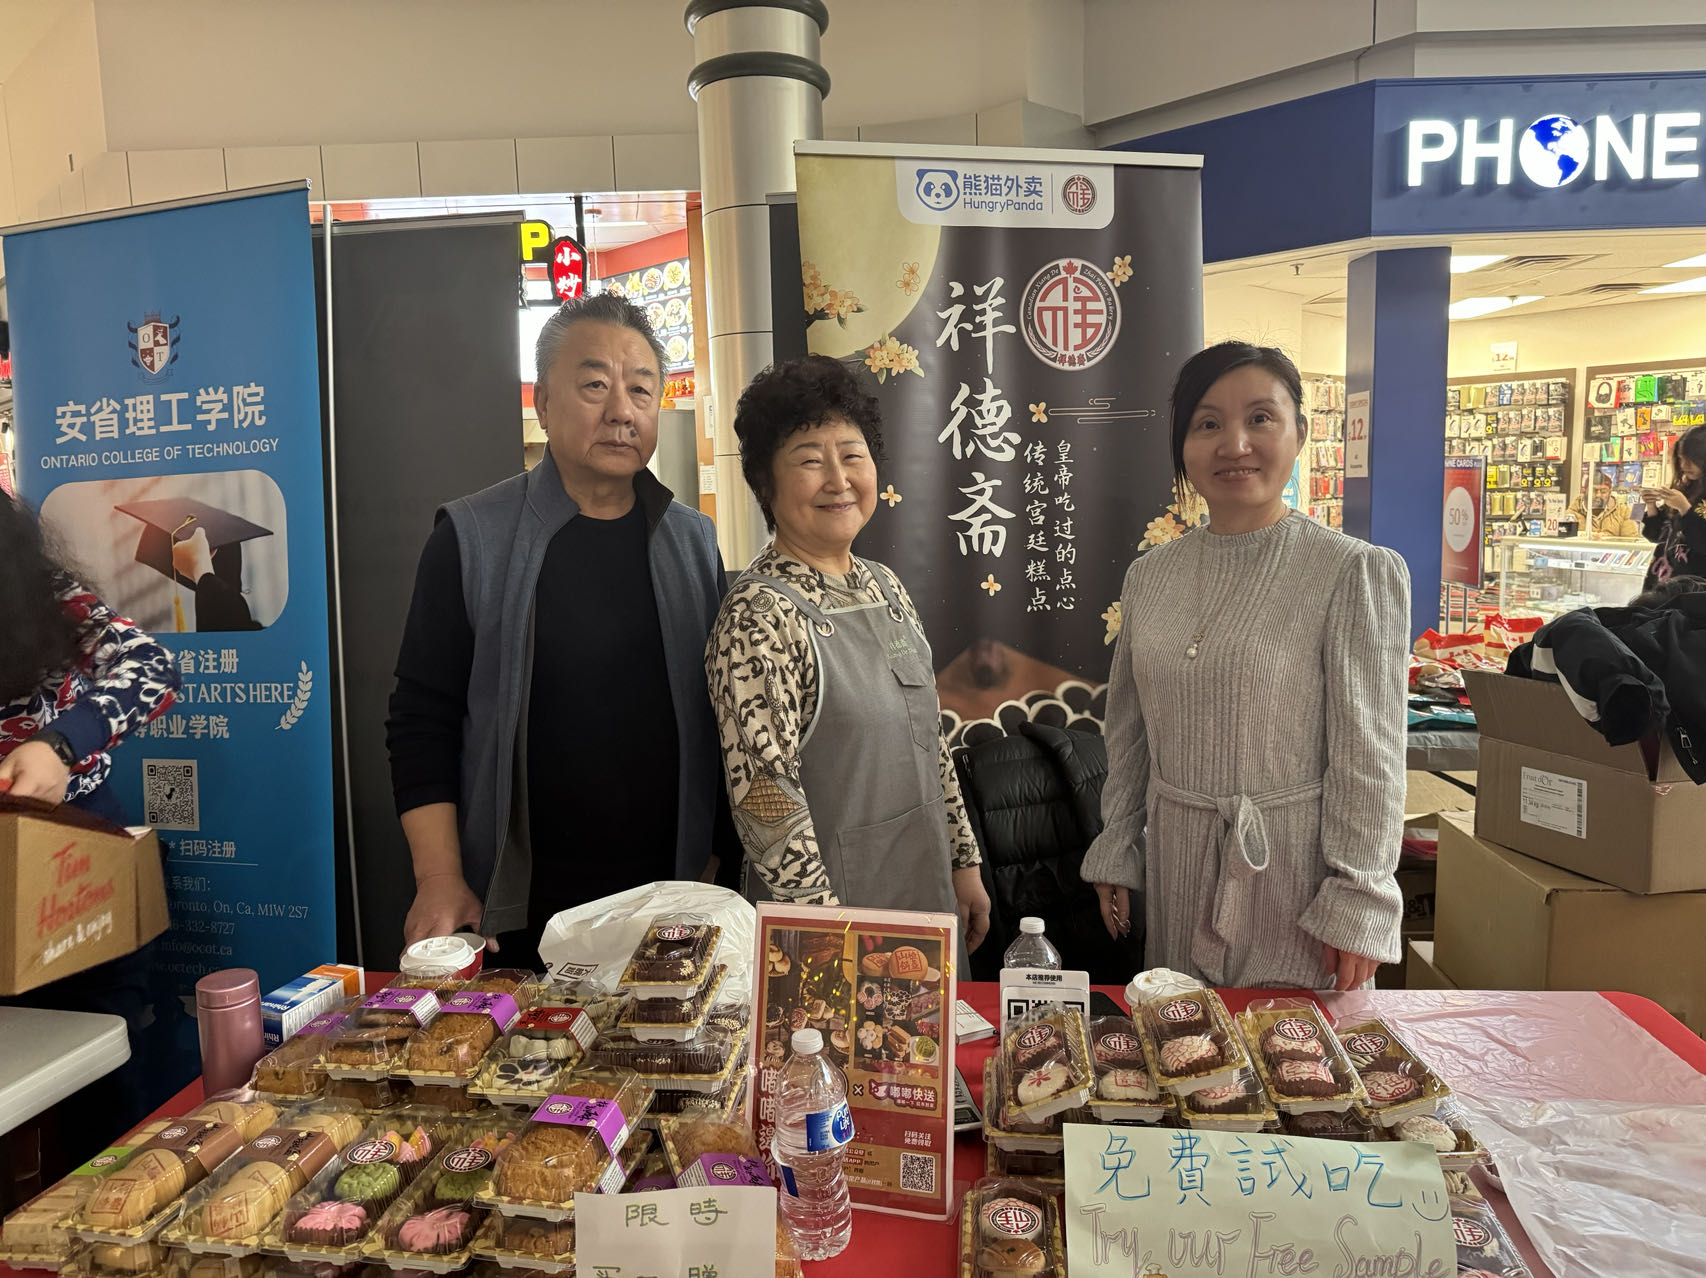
{"points": [[759, 87], [1395, 351]]}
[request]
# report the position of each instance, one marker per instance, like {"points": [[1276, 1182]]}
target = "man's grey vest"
{"points": [[502, 534]]}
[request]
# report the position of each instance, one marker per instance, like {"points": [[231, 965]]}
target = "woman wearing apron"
{"points": [[842, 787], [1255, 729]]}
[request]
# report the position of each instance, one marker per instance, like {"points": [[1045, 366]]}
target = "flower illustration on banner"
{"points": [[1111, 618], [891, 355], [823, 302], [1122, 269], [1162, 529], [908, 281], [990, 584], [1179, 519], [891, 497], [1039, 411]]}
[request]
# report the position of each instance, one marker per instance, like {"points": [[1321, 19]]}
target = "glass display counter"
{"points": [[1554, 575]]}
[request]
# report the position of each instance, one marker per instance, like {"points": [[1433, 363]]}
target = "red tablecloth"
{"points": [[900, 1247]]}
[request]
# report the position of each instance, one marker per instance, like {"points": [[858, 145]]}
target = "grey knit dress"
{"points": [[1269, 768]]}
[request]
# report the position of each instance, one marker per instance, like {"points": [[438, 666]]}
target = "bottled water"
{"points": [[813, 1126], [1031, 948]]}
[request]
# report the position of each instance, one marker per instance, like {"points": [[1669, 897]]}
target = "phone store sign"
{"points": [[1552, 151]]}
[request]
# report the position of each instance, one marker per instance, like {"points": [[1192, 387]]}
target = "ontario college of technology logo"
{"points": [[1070, 314], [153, 344]]}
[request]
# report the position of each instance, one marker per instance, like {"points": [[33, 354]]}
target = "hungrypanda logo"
{"points": [[938, 189]]}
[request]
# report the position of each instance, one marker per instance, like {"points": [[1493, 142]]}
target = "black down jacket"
{"points": [[1035, 802]]}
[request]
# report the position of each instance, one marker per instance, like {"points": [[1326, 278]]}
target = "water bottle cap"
{"points": [[1031, 926], [807, 1042]]}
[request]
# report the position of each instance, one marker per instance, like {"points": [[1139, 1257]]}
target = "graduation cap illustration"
{"points": [[174, 519]]}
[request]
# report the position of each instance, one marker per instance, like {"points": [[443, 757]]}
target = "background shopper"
{"points": [[75, 680], [1676, 519], [1610, 516], [1255, 712], [551, 739], [843, 789]]}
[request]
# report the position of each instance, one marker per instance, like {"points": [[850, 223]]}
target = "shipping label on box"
{"points": [[1554, 801]]}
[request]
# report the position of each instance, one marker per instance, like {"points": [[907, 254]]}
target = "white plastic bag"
{"points": [[595, 941]]}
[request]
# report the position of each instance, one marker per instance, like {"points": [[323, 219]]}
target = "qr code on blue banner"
{"points": [[918, 1173], [171, 799]]}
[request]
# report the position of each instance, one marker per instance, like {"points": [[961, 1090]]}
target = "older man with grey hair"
{"points": [[551, 737]]}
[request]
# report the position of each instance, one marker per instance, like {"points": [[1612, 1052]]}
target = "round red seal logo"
{"points": [[1296, 1029], [1070, 314], [1036, 1036], [370, 1151], [722, 1171], [1367, 1044], [674, 932], [560, 1018], [173, 1133], [467, 1160], [268, 1141], [1078, 193], [1118, 1043], [1180, 1009], [1469, 1232], [1015, 1218], [105, 1160], [557, 1107]]}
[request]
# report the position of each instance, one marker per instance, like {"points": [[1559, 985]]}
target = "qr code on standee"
{"points": [[918, 1173], [171, 799]]}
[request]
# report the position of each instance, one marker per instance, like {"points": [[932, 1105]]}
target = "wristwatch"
{"points": [[56, 742]]}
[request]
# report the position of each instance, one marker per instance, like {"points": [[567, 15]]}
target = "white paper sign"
{"points": [[1356, 435], [1199, 1204], [1023, 988], [1555, 802], [1504, 357], [676, 1233]]}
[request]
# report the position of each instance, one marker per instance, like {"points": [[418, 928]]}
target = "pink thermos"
{"points": [[228, 1016]]}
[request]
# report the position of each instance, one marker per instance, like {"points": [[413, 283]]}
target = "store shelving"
{"points": [[1634, 412], [1324, 452]]}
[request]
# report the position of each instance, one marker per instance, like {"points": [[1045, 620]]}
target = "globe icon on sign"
{"points": [[1553, 151]]}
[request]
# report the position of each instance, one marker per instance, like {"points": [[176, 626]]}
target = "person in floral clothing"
{"points": [[75, 680], [1676, 518]]}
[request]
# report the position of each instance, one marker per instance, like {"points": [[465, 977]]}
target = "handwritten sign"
{"points": [[678, 1233], [1228, 1205]]}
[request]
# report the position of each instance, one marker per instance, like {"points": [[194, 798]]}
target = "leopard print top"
{"points": [[763, 676]]}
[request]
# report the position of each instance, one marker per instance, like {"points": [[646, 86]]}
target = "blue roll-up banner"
{"points": [[167, 390]]}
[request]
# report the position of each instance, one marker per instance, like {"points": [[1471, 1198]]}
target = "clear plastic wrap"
{"points": [[230, 1212], [1010, 1227], [1046, 1067], [573, 1144], [1190, 1041], [1299, 1058]]}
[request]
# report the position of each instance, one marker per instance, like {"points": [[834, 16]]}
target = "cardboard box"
{"points": [[1420, 970], [1425, 793], [1506, 921], [77, 892], [1551, 787]]}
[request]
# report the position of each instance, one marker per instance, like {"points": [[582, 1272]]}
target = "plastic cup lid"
{"points": [[437, 956]]}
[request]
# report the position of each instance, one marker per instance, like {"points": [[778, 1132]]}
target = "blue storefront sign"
{"points": [[168, 418], [1451, 156]]}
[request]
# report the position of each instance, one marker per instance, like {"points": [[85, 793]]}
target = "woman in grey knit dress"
{"points": [[1255, 725]]}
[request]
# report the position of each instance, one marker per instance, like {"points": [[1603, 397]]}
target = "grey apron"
{"points": [[870, 762]]}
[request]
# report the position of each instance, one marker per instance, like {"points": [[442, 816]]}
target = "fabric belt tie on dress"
{"points": [[1240, 851]]}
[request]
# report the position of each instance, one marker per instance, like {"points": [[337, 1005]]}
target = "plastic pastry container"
{"points": [[1399, 1083], [1046, 1067], [672, 1020], [230, 1212], [1125, 1092], [448, 1098], [37, 1235], [705, 1152], [118, 1260], [1041, 1136], [1446, 1122], [1241, 1105], [1299, 1058], [526, 1243], [674, 960], [1349, 1124], [1047, 1171], [1010, 1227], [524, 1066], [1483, 1246], [296, 1069], [449, 1051], [243, 1109], [725, 1105], [131, 1204], [573, 1144], [189, 1265], [374, 1095], [340, 1121], [432, 1225], [1190, 1041], [706, 1064], [373, 1040]]}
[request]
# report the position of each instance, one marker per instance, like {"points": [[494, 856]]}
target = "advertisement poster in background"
{"points": [[874, 983], [1356, 434], [1460, 549], [167, 386], [1021, 316]]}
